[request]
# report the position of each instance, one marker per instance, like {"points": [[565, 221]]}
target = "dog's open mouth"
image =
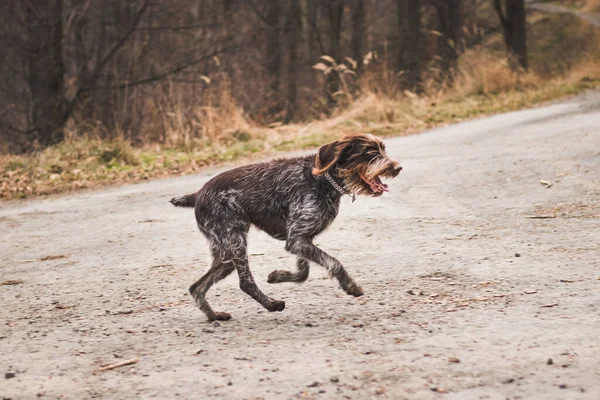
{"points": [[375, 184]]}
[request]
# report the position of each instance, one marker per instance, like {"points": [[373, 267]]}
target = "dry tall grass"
{"points": [[592, 6]]}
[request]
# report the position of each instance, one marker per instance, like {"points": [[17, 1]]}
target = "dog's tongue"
{"points": [[379, 186]]}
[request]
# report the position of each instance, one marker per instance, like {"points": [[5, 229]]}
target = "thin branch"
{"points": [[163, 75], [10, 127], [120, 43], [176, 28], [258, 13], [501, 16], [98, 70]]}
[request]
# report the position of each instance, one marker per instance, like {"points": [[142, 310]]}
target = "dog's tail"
{"points": [[188, 200]]}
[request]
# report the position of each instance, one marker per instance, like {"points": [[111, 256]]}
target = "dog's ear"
{"points": [[329, 154]]}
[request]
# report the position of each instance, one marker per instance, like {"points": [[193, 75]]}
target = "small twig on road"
{"points": [[119, 364], [540, 216], [11, 282], [549, 305]]}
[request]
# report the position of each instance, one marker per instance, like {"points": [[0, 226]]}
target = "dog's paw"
{"points": [[276, 305], [355, 290], [220, 316], [278, 276]]}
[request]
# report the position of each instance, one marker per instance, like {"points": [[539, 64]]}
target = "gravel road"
{"points": [[481, 270]]}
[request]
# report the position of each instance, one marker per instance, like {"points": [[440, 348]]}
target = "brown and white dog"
{"points": [[292, 199]]}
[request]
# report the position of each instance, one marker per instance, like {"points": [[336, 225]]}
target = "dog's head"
{"points": [[360, 160]]}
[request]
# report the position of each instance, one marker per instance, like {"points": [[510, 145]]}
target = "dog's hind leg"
{"points": [[218, 271], [299, 276]]}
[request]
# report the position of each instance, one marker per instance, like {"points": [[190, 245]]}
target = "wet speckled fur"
{"points": [[289, 199]]}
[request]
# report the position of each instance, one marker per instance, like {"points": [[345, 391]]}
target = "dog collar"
{"points": [[337, 187]]}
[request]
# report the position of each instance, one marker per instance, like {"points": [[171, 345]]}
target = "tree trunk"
{"points": [[335, 15], [292, 39], [315, 46], [46, 70], [515, 31], [359, 33], [450, 19], [409, 55], [273, 48]]}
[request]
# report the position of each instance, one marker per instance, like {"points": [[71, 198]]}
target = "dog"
{"points": [[293, 200]]}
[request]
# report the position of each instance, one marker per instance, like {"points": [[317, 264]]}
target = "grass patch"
{"points": [[93, 163]]}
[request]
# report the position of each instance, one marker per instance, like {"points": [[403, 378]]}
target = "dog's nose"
{"points": [[397, 168]]}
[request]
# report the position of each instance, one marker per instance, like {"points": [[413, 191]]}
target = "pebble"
{"points": [[9, 375], [549, 362], [334, 379], [517, 254], [562, 386], [216, 324], [313, 384], [229, 383], [453, 360]]}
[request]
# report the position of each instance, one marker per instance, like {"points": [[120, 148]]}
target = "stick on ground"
{"points": [[119, 364]]}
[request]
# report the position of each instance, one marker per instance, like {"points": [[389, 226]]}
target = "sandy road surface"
{"points": [[436, 257]]}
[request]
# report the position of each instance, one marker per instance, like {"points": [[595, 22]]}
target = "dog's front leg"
{"points": [[248, 285], [303, 247]]}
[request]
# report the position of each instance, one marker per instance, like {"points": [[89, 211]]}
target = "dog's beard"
{"points": [[367, 180]]}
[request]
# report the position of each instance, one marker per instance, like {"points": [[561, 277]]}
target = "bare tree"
{"points": [[409, 44], [335, 16], [450, 20], [274, 19], [293, 31], [359, 32], [512, 17], [44, 45]]}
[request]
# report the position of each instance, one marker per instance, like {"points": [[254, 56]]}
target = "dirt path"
{"points": [[475, 274]]}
